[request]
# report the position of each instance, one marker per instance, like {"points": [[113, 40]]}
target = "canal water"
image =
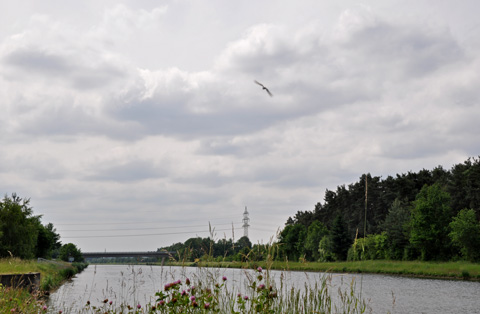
{"points": [[384, 294]]}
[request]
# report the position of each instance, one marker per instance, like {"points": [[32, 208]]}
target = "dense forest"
{"points": [[425, 215], [428, 215]]}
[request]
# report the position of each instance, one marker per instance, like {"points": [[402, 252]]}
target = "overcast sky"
{"points": [[142, 117]]}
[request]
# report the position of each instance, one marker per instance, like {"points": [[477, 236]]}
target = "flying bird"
{"points": [[263, 87]]}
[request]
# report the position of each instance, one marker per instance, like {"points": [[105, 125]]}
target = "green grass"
{"points": [[52, 273], [446, 270]]}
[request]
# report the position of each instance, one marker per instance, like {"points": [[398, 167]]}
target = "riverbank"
{"points": [[53, 274], [440, 270]]}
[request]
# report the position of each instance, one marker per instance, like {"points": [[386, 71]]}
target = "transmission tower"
{"points": [[245, 222]]}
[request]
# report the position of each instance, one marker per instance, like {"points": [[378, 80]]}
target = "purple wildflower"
{"points": [[224, 278]]}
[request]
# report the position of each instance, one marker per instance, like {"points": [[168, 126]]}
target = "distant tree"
{"points": [[70, 250], [396, 229], [325, 249], [292, 239], [316, 231], [430, 220], [243, 243], [340, 239], [465, 234], [18, 227]]}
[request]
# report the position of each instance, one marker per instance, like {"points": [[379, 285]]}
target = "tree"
{"points": [[292, 239], [466, 234], [395, 226], [431, 215], [316, 231], [70, 250], [18, 227], [48, 240], [340, 239]]}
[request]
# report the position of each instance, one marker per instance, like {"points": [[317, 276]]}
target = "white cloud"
{"points": [[103, 121]]}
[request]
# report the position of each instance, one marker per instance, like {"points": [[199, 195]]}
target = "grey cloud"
{"points": [[129, 171], [75, 70], [402, 49]]}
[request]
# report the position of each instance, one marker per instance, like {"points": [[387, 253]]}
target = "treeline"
{"points": [[23, 235], [427, 215], [201, 249]]}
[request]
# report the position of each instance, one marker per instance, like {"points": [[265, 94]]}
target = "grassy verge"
{"points": [[53, 274], [441, 270]]}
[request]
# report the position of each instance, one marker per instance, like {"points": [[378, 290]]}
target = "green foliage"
{"points": [[374, 246], [396, 228], [325, 253], [292, 239], [465, 234], [70, 250], [316, 231], [340, 239], [431, 215], [18, 227]]}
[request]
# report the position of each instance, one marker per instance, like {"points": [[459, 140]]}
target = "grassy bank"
{"points": [[53, 274], [441, 270]]}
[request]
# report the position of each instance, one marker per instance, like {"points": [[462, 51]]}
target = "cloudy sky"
{"points": [[132, 125]]}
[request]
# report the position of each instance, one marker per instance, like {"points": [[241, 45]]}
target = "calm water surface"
{"points": [[384, 294]]}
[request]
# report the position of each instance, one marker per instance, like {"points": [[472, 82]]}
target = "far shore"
{"points": [[459, 270]]}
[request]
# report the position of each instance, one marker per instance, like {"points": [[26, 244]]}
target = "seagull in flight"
{"points": [[263, 87]]}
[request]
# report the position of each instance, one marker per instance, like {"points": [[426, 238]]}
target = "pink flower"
{"points": [[224, 278], [259, 269], [139, 306], [192, 298], [207, 306], [44, 308], [246, 297], [161, 303]]}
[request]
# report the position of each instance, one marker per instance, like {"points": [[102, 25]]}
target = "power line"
{"points": [[130, 229], [142, 235], [127, 223]]}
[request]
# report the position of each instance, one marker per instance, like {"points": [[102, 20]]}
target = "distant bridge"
{"points": [[162, 254]]}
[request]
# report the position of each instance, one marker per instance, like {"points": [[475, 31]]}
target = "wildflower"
{"points": [[259, 269], [88, 302], [245, 297], [44, 307], [192, 298], [60, 312], [194, 304], [187, 282], [161, 303], [261, 287], [239, 295], [105, 301], [178, 282], [139, 306], [110, 302], [206, 305], [13, 310], [184, 293], [224, 278]]}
